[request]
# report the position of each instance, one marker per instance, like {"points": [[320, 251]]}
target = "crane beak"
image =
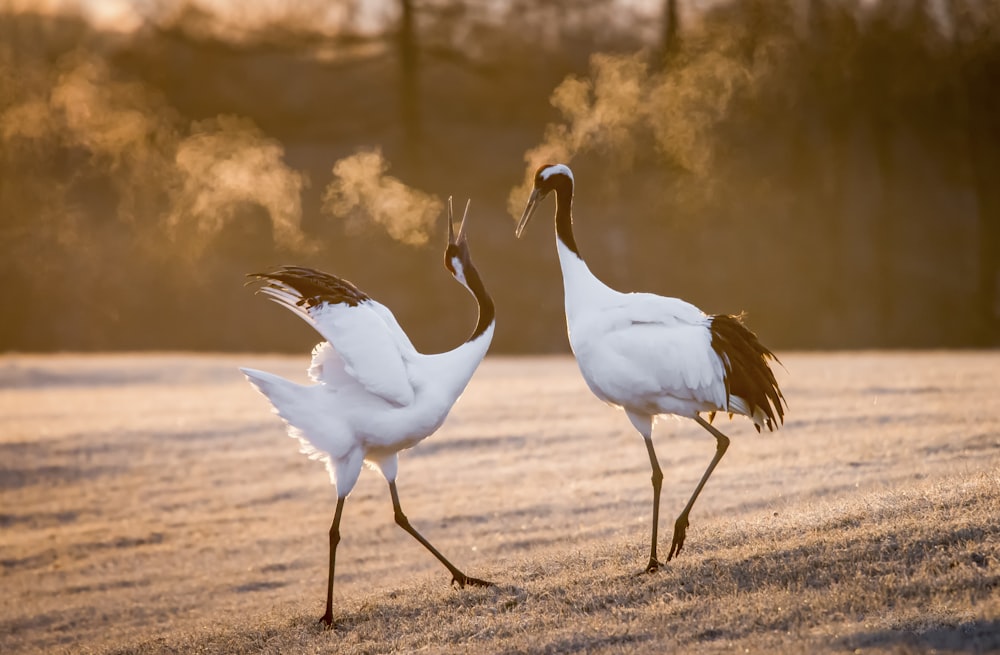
{"points": [[529, 209], [451, 226], [460, 240], [463, 239]]}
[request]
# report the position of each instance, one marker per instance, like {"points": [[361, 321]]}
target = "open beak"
{"points": [[529, 209], [461, 240]]}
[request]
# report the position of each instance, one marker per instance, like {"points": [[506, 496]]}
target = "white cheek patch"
{"points": [[556, 170], [459, 270]]}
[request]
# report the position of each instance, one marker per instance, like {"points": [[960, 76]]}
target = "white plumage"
{"points": [[652, 355], [374, 394]]}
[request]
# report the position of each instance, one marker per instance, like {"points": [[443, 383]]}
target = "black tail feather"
{"points": [[747, 373]]}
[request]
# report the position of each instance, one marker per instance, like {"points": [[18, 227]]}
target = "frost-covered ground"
{"points": [[148, 497]]}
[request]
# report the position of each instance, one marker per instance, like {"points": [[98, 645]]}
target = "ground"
{"points": [[152, 504]]}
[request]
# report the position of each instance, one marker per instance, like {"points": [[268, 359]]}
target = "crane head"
{"points": [[457, 256], [547, 178]]}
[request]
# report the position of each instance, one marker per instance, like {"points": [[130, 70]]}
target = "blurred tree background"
{"points": [[829, 166]]}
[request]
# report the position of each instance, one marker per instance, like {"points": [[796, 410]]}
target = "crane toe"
{"points": [[461, 580], [680, 531]]}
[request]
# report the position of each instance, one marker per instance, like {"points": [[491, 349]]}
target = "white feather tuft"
{"points": [[456, 263]]}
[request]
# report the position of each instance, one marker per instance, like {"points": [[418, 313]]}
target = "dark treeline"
{"points": [[827, 166]]}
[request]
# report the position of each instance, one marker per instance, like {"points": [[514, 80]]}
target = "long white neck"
{"points": [[582, 289], [453, 369]]}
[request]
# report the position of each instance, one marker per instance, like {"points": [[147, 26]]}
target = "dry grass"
{"points": [[150, 505]]}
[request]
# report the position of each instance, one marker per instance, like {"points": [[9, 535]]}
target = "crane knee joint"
{"points": [[401, 520]]}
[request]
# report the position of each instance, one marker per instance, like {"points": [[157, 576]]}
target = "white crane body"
{"points": [[652, 355], [373, 393]]}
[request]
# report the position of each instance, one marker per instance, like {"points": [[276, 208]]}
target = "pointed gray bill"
{"points": [[529, 209], [451, 227]]}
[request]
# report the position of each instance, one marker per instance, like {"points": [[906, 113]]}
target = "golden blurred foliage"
{"points": [[825, 165]]}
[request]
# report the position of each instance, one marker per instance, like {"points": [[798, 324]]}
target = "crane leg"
{"points": [[456, 576], [680, 527], [334, 540], [657, 478]]}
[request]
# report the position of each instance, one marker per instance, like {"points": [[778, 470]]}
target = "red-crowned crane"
{"points": [[651, 355], [374, 394]]}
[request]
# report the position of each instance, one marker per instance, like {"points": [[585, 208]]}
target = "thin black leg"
{"points": [[334, 540], [456, 575], [657, 478], [680, 527]]}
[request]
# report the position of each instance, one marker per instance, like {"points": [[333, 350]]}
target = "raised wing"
{"points": [[646, 346], [372, 349]]}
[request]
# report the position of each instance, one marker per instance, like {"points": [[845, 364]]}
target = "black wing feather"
{"points": [[313, 287]]}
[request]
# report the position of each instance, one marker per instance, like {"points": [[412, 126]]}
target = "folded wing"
{"points": [[647, 346]]}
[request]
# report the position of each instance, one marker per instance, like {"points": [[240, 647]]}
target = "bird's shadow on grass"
{"points": [[966, 637], [408, 605]]}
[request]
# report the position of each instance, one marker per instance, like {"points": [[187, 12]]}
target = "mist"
{"points": [[362, 192], [224, 163], [624, 104], [183, 183], [174, 181]]}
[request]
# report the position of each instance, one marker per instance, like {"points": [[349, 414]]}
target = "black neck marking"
{"points": [[563, 187], [487, 313]]}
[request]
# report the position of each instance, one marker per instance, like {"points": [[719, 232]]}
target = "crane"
{"points": [[373, 393], [651, 355]]}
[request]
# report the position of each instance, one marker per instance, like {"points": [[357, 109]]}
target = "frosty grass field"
{"points": [[152, 504]]}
